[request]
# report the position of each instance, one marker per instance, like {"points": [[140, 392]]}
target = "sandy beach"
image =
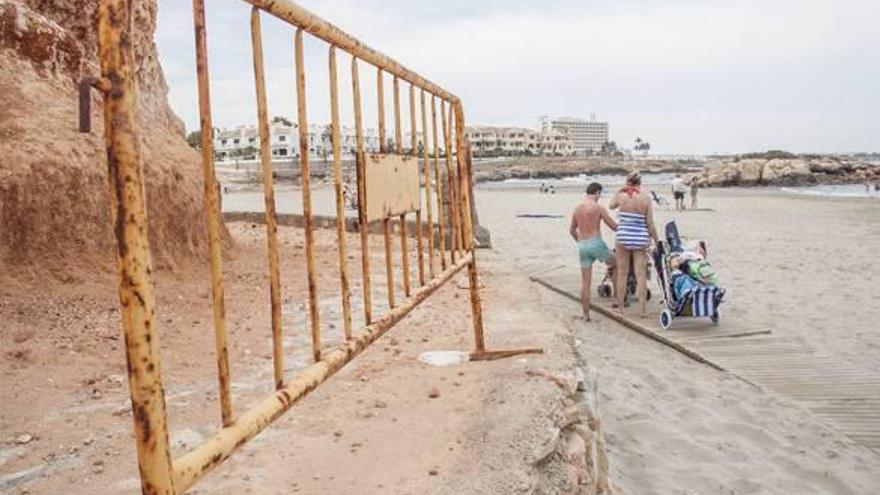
{"points": [[800, 266]]}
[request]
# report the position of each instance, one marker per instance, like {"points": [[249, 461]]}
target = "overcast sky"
{"points": [[689, 76]]}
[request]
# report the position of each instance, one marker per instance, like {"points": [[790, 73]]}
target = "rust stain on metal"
{"points": [[413, 126], [360, 164], [427, 168], [212, 213], [438, 184], [129, 216], [269, 198], [305, 171], [340, 209]]}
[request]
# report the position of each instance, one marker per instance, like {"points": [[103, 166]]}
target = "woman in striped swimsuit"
{"points": [[634, 234]]}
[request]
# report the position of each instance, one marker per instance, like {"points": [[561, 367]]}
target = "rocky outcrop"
{"points": [[54, 201], [784, 172], [724, 172], [559, 167]]}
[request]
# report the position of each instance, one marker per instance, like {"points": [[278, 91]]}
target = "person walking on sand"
{"points": [[678, 190], [694, 188], [586, 230], [635, 232]]}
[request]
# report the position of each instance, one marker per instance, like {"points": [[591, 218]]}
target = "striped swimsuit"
{"points": [[632, 231]]}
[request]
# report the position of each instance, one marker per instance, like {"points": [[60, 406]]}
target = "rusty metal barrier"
{"points": [[160, 473]]}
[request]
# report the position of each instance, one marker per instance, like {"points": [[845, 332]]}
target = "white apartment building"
{"points": [[587, 136], [244, 142], [517, 141]]}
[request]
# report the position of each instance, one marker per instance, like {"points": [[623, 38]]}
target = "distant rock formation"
{"points": [[784, 172], [54, 204], [723, 172]]}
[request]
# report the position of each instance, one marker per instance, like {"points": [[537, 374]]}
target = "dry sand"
{"points": [[803, 267], [386, 424]]}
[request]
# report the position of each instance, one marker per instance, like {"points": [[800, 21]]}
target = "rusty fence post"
{"points": [[361, 164], [305, 172], [340, 209], [464, 179], [269, 198], [129, 218], [450, 180], [386, 222], [438, 184], [212, 213], [427, 169], [414, 143], [398, 146]]}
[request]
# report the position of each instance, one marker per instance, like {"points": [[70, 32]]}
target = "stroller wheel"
{"points": [[716, 317], [665, 319], [604, 290]]}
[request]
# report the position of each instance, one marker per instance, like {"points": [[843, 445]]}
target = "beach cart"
{"points": [[698, 300]]}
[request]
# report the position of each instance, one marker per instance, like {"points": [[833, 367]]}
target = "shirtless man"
{"points": [[586, 231]]}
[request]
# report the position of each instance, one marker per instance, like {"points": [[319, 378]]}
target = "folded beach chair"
{"points": [[660, 200]]}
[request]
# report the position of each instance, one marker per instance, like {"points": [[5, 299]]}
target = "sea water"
{"points": [[579, 181], [836, 190]]}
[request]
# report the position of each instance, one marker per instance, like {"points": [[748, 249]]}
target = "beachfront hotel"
{"points": [[506, 141], [587, 136], [243, 142]]}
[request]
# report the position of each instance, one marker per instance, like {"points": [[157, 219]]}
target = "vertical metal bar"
{"points": [[438, 183], [305, 172], [212, 212], [455, 186], [467, 217], [427, 168], [404, 255], [458, 165], [340, 209], [389, 272], [398, 146], [413, 125], [450, 190], [380, 101], [361, 164], [269, 195], [398, 132], [128, 214], [386, 222]]}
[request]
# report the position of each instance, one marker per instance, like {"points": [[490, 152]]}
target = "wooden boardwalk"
{"points": [[843, 395]]}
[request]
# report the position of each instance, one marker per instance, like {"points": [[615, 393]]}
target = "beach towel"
{"points": [[704, 300]]}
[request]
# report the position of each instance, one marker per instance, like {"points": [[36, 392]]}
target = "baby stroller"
{"points": [[605, 286], [699, 299]]}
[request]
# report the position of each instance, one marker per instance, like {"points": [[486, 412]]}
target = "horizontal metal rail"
{"points": [[314, 25]]}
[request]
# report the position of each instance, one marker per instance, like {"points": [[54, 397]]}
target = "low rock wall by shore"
{"points": [[725, 172]]}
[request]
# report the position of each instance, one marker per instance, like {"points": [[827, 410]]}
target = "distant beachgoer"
{"points": [[586, 230], [678, 190], [635, 232], [694, 188]]}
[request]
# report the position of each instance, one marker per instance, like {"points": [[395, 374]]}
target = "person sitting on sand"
{"points": [[634, 235], [586, 230]]}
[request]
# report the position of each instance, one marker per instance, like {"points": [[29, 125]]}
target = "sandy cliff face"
{"points": [[54, 203]]}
